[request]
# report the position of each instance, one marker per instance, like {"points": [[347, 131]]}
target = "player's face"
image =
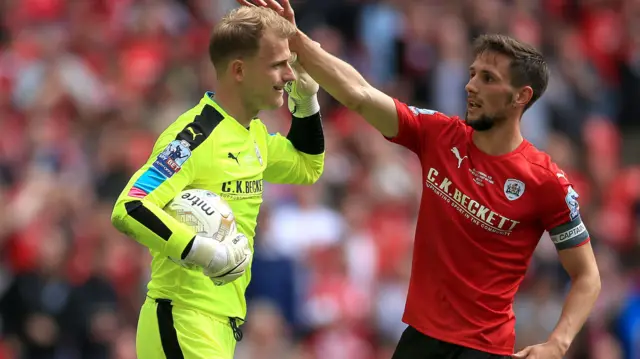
{"points": [[489, 91], [268, 72]]}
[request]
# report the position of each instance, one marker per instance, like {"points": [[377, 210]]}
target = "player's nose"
{"points": [[289, 74], [470, 87]]}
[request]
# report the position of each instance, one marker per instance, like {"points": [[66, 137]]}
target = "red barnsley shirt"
{"points": [[480, 219]]}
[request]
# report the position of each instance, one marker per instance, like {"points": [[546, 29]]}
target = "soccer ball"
{"points": [[205, 212]]}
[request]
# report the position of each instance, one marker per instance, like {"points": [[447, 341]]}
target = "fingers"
{"points": [[288, 12], [288, 9], [285, 10], [524, 353], [274, 5], [249, 3]]}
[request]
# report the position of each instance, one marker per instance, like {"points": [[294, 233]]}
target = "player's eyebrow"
{"points": [[485, 71], [280, 63]]}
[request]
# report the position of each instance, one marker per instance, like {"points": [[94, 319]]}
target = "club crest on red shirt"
{"points": [[513, 189]]}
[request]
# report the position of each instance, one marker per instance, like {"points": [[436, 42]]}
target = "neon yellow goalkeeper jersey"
{"points": [[205, 148]]}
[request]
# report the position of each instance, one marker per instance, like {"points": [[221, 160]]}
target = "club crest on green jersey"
{"points": [[258, 153]]}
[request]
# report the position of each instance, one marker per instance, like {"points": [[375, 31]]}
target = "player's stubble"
{"points": [[485, 121]]}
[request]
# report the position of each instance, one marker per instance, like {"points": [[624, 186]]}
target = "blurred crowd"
{"points": [[87, 85]]}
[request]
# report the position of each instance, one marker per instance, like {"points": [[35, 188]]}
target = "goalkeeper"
{"points": [[219, 145]]}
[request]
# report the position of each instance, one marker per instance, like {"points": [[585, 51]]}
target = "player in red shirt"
{"points": [[488, 196]]}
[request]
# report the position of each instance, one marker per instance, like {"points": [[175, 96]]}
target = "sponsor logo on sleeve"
{"points": [[170, 161], [421, 111], [572, 202]]}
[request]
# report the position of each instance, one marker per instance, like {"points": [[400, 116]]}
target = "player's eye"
{"points": [[280, 64], [488, 78]]}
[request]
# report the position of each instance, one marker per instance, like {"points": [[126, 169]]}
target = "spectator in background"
{"points": [[35, 307], [93, 311]]}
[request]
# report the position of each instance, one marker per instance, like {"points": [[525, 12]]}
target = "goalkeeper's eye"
{"points": [[280, 64]]}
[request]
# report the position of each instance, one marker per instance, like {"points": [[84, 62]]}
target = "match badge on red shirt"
{"points": [[513, 189], [421, 111], [572, 202]]}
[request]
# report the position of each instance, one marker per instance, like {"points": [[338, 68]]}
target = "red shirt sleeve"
{"points": [[561, 204], [415, 125], [561, 213]]}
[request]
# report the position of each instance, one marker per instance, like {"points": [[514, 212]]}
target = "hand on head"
{"points": [[285, 10]]}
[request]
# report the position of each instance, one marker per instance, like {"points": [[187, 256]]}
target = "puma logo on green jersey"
{"points": [[234, 157]]}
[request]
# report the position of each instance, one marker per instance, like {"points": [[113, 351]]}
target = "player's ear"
{"points": [[523, 96], [237, 68]]}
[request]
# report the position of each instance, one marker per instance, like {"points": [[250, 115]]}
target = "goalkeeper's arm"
{"points": [[346, 85], [147, 223], [139, 212]]}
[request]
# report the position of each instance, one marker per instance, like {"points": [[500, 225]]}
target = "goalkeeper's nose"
{"points": [[289, 74]]}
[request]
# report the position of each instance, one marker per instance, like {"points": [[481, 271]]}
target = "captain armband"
{"points": [[570, 234]]}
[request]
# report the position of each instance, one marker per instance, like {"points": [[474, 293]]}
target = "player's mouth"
{"points": [[279, 88], [472, 105]]}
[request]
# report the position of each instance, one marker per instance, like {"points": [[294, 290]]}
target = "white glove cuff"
{"points": [[207, 253], [302, 108]]}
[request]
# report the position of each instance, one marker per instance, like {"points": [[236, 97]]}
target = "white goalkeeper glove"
{"points": [[303, 92], [223, 261]]}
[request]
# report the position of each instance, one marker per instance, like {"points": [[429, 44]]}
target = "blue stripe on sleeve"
{"points": [[150, 180]]}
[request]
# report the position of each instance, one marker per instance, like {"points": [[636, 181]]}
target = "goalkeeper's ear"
{"points": [[236, 67]]}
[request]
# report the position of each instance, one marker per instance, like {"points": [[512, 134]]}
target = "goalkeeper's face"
{"points": [[267, 72]]}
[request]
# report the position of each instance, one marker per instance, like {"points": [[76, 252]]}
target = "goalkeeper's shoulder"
{"points": [[193, 129], [177, 151]]}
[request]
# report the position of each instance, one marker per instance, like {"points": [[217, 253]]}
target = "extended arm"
{"points": [[337, 77], [347, 85]]}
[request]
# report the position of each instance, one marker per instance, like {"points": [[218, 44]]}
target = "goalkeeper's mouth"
{"points": [[279, 88]]}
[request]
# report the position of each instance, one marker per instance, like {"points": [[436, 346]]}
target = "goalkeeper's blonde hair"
{"points": [[238, 34]]}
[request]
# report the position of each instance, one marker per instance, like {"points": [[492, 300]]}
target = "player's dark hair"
{"points": [[238, 34], [528, 67]]}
